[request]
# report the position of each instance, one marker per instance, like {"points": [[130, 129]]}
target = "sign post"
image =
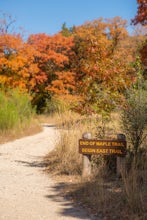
{"points": [[86, 158], [121, 160]]}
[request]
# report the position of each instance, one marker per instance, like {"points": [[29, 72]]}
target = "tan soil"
{"points": [[26, 192]]}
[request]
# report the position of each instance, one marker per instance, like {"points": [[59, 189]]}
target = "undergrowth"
{"points": [[17, 117], [103, 194]]}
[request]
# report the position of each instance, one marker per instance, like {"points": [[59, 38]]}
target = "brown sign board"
{"points": [[103, 147]]}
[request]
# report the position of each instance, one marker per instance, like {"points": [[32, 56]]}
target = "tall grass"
{"points": [[66, 158], [15, 110], [103, 192], [134, 183]]}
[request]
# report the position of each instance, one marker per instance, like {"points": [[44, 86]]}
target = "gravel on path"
{"points": [[27, 193]]}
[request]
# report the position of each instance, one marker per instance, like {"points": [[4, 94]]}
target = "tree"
{"points": [[102, 63], [53, 63], [53, 60], [141, 16], [143, 53], [17, 67]]}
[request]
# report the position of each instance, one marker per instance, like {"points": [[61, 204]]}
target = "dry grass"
{"points": [[134, 182], [103, 194], [65, 159], [105, 198], [28, 129]]}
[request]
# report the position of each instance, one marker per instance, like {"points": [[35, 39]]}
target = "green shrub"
{"points": [[134, 118]]}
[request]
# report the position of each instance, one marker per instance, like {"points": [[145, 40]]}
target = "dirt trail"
{"points": [[27, 193]]}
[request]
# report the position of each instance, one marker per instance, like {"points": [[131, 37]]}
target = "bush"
{"points": [[134, 118], [134, 121]]}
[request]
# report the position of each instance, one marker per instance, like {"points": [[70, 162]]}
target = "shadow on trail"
{"points": [[59, 194], [70, 208], [49, 125], [33, 164]]}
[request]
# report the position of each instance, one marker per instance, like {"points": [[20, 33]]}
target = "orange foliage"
{"points": [[17, 66], [40, 61], [64, 83], [52, 59], [95, 60], [101, 55], [104, 55]]}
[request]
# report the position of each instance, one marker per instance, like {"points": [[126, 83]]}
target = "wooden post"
{"points": [[121, 161], [86, 172]]}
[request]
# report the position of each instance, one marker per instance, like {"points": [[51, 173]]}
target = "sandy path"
{"points": [[27, 193]]}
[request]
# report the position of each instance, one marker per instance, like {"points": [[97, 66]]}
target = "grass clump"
{"points": [[16, 112], [103, 194], [65, 159], [65, 155]]}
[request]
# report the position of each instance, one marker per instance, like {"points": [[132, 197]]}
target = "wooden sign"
{"points": [[104, 147]]}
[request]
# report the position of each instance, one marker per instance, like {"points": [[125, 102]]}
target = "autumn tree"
{"points": [[17, 67], [141, 16], [93, 61], [102, 63], [39, 66], [53, 64]]}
